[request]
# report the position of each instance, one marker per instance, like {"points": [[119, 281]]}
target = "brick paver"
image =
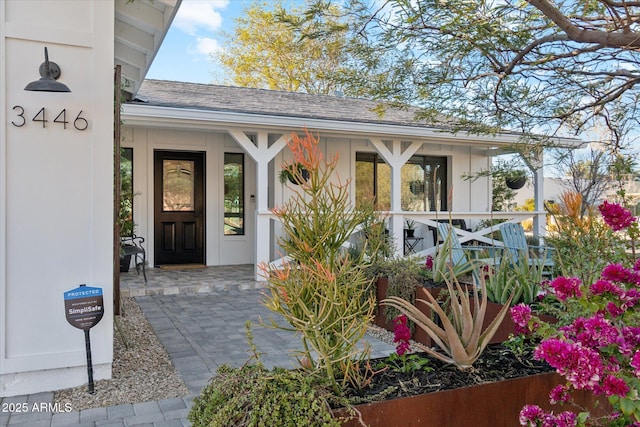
{"points": [[199, 316]]}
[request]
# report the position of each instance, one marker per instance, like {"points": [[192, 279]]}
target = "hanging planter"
{"points": [[516, 181], [294, 173]]}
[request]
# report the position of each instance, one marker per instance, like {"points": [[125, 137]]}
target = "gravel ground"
{"points": [[142, 370]]}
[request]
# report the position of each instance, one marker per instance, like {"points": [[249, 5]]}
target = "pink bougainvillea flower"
{"points": [[603, 286], [566, 287], [630, 297], [581, 366], [521, 314], [530, 415], [597, 331], [616, 216], [559, 393], [616, 273], [614, 310], [631, 335], [635, 363], [534, 416], [614, 386], [565, 419]]}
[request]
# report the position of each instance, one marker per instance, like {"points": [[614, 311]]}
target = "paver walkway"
{"points": [[199, 316]]}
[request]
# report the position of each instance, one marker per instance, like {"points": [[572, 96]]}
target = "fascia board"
{"points": [[196, 119]]}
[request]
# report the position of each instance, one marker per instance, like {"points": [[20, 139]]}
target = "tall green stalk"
{"points": [[322, 292]]}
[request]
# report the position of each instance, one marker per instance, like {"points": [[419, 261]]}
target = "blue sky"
{"points": [[185, 54]]}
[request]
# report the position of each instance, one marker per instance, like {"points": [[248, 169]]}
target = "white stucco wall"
{"points": [[56, 191]]}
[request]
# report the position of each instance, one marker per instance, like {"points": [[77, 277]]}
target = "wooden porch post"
{"points": [[262, 154], [396, 158], [536, 163]]}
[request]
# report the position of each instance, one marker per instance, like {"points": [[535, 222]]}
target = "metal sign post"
{"points": [[84, 308]]}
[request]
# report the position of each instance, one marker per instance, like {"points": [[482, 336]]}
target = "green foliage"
{"points": [[254, 396], [459, 332], [404, 275], [294, 173], [445, 269], [125, 211], [405, 364], [583, 244], [323, 293], [373, 242], [272, 48], [518, 281]]}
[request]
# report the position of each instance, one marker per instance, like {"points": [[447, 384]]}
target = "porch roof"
{"points": [[172, 100], [273, 102]]}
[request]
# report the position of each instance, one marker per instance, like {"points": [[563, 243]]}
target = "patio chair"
{"points": [[515, 241], [131, 247], [459, 252]]}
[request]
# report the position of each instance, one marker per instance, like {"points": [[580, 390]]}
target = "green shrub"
{"points": [[510, 279], [253, 396], [584, 244], [321, 291]]}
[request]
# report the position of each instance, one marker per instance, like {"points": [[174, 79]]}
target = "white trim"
{"points": [[3, 193], [197, 119]]}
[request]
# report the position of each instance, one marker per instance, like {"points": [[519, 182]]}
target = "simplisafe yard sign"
{"points": [[84, 308]]}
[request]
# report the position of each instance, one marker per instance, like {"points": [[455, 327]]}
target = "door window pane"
{"points": [[177, 185], [233, 194]]}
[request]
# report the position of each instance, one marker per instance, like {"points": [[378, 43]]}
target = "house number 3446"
{"points": [[42, 116]]}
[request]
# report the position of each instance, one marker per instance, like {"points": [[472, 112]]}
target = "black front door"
{"points": [[179, 207]]}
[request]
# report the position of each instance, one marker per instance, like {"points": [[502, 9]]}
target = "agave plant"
{"points": [[460, 336], [519, 280]]}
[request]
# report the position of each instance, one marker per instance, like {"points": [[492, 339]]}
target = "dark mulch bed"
{"points": [[495, 364]]}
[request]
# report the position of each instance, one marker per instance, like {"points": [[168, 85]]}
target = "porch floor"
{"points": [[189, 281]]}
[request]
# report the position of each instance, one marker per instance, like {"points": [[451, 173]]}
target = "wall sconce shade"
{"points": [[49, 72]]}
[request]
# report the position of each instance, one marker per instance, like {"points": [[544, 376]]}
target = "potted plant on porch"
{"points": [[410, 228]]}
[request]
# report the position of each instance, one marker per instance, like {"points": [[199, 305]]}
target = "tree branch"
{"points": [[624, 40]]}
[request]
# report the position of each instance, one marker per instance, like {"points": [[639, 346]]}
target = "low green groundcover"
{"points": [[255, 396]]}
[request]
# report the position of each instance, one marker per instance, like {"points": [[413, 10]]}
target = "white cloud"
{"points": [[206, 45], [199, 15]]}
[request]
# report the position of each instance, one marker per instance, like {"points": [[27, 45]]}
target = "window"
{"points": [[233, 194], [373, 180], [423, 186], [125, 214]]}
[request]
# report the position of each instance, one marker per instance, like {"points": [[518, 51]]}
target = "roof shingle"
{"points": [[164, 93]]}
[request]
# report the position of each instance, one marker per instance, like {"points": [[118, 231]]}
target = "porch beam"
{"points": [[262, 154], [396, 158]]}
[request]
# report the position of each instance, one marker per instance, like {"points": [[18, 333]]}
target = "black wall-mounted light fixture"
{"points": [[50, 71]]}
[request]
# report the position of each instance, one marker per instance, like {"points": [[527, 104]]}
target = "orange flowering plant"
{"points": [[321, 290]]}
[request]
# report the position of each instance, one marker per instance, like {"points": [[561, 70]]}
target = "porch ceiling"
{"points": [[140, 27]]}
